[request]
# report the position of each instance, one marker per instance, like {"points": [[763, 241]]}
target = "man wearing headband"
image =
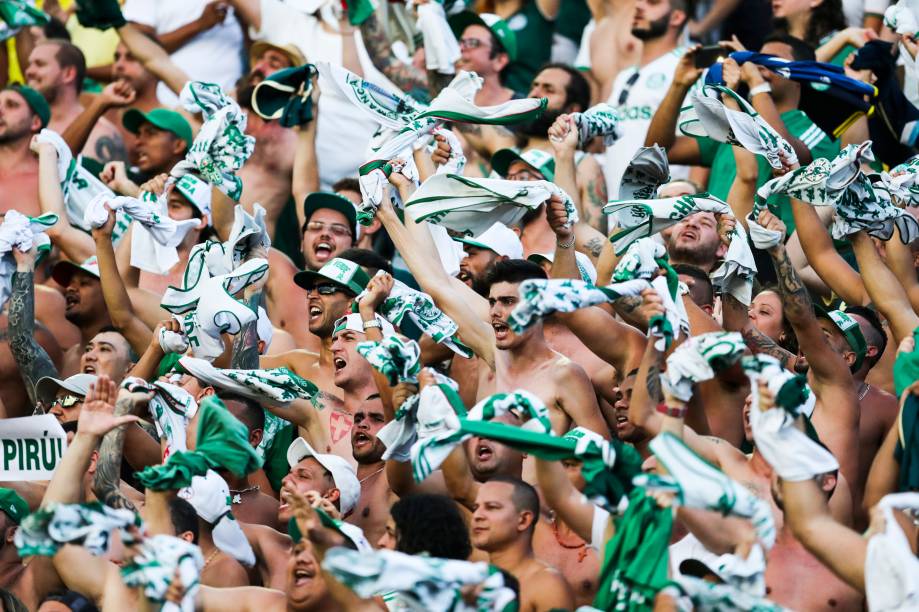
{"points": [[23, 113]]}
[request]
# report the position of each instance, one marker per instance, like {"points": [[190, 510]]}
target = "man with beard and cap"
{"points": [[639, 90], [696, 241], [329, 293], [56, 69], [495, 244], [85, 305], [23, 113]]}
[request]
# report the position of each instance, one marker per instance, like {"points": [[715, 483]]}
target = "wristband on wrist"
{"points": [[371, 324], [676, 412], [761, 88], [565, 245]]}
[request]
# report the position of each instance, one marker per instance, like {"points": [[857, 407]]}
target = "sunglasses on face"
{"points": [[68, 401], [326, 289]]}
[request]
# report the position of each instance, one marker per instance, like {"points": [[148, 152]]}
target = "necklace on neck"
{"points": [[361, 481], [238, 493], [210, 557], [582, 554], [863, 391]]}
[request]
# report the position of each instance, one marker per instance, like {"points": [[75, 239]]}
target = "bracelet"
{"points": [[676, 412], [565, 245], [761, 88], [372, 324]]}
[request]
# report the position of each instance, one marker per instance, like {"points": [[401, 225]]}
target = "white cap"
{"points": [[78, 384], [499, 239], [343, 475], [585, 266]]}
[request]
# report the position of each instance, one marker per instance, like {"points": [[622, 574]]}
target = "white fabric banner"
{"points": [[32, 447]]}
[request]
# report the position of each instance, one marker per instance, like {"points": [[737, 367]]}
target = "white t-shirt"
{"points": [[641, 89], [214, 56], [343, 131]]}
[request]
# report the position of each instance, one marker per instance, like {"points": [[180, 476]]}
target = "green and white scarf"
{"points": [[903, 179], [402, 432], [707, 596], [89, 525], [21, 14], [420, 582], [792, 454], [419, 307], [608, 466], [645, 218], [221, 146], [708, 116], [209, 307], [155, 566], [222, 443], [439, 429], [21, 232], [396, 359], [172, 407], [352, 533], [636, 560], [472, 205], [600, 120], [698, 359], [648, 170]]}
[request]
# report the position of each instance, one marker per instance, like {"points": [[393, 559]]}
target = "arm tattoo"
{"points": [[405, 76], [595, 246], [653, 384], [796, 302], [245, 346], [758, 342], [33, 361], [107, 479], [628, 304], [110, 148]]}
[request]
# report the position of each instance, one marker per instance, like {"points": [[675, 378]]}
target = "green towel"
{"points": [[285, 95], [100, 14], [636, 559], [222, 443], [907, 450], [19, 14], [906, 367], [608, 466]]}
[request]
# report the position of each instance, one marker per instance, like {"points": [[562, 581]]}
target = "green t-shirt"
{"points": [[534, 46], [572, 18], [720, 157]]}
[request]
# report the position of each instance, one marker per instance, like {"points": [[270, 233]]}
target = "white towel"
{"points": [[698, 359], [599, 120], [172, 407], [210, 497], [20, 232], [762, 238], [441, 51], [891, 568], [274, 387], [155, 566], [648, 170], [400, 434], [903, 17]]}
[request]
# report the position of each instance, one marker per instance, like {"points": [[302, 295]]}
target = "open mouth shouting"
{"points": [[304, 575], [502, 331], [70, 300], [323, 250], [484, 451], [359, 439], [339, 363], [315, 310]]}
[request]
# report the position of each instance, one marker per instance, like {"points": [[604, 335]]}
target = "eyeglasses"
{"points": [[524, 175], [627, 89], [472, 43], [326, 289], [68, 401], [336, 228]]}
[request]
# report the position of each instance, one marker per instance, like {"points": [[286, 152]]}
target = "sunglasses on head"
{"points": [[68, 401]]}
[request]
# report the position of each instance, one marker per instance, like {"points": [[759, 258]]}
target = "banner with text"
{"points": [[31, 447]]}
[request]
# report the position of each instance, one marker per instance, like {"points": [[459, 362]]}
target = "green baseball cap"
{"points": [[36, 102], [161, 118], [536, 159], [12, 503], [340, 271], [327, 199], [502, 31], [850, 330]]}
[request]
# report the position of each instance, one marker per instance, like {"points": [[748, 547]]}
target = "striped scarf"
{"points": [[155, 566], [698, 359], [89, 525]]}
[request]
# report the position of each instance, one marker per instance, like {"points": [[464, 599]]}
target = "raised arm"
{"points": [[900, 260], [31, 359], [662, 130], [306, 168], [213, 15], [107, 479], [117, 94], [569, 503], [74, 243], [153, 56]]}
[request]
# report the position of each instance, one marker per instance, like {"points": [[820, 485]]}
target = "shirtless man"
{"points": [[507, 361], [85, 306], [503, 522], [330, 292], [487, 47], [30, 579], [56, 70], [23, 113]]}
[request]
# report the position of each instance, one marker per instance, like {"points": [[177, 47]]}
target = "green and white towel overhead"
{"points": [[88, 525], [903, 178], [902, 17], [401, 433], [396, 359], [22, 14], [599, 120], [410, 126], [792, 454], [439, 424], [791, 391], [472, 205], [172, 407], [155, 566], [643, 259], [209, 307], [21, 232], [891, 568], [704, 596], [80, 185], [221, 147], [209, 495], [156, 235], [420, 582], [275, 386], [222, 442], [419, 307], [699, 359], [441, 50], [861, 202], [635, 562], [709, 117], [648, 170], [645, 218]]}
